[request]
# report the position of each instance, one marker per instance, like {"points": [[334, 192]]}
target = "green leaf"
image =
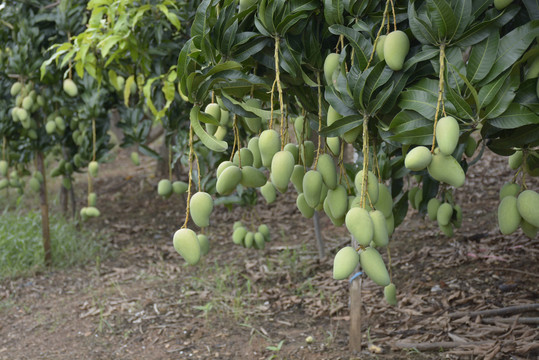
{"points": [[464, 110], [470, 87], [515, 116], [420, 101], [341, 126], [208, 140], [427, 53], [199, 23], [489, 91], [409, 127], [463, 13], [127, 89], [333, 12], [108, 43], [482, 58], [419, 29], [379, 76], [502, 142], [533, 8], [169, 90], [511, 47], [503, 98], [381, 99], [443, 18], [362, 47]]}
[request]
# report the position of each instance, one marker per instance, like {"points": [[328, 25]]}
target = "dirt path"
{"points": [[143, 302]]}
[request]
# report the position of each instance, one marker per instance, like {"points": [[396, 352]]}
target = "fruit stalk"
{"points": [[379, 33], [365, 150], [319, 118], [279, 89], [4, 144], [394, 17], [170, 161], [440, 94], [189, 187]]}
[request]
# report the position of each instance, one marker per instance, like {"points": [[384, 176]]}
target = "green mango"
{"points": [[268, 192], [269, 144], [294, 150], [372, 185], [446, 229], [302, 133], [259, 242], [252, 177], [27, 103], [528, 206], [380, 47], [359, 224], [333, 142], [373, 265], [93, 168], [34, 184], [390, 294], [92, 199], [390, 222], [351, 135], [444, 213], [457, 210], [214, 111], [264, 230], [446, 168], [338, 201], [336, 221], [4, 183], [307, 151], [255, 150], [312, 187], [135, 158], [50, 127], [164, 188], [297, 177], [246, 4], [180, 187], [380, 235], [345, 262], [471, 146], [326, 167], [282, 166], [418, 198], [432, 208], [237, 224], [385, 200], [204, 243], [229, 179], [60, 124], [247, 158], [331, 64], [515, 160], [303, 207], [334, 145], [220, 134], [447, 134], [4, 167], [187, 245], [201, 207], [222, 166], [225, 118], [418, 158], [70, 87], [15, 89], [249, 239], [92, 211], [238, 235], [396, 47], [528, 229], [502, 4]]}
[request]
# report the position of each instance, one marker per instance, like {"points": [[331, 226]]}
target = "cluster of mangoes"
{"points": [[190, 245], [250, 239], [27, 101], [165, 187], [518, 209], [14, 180], [446, 214]]}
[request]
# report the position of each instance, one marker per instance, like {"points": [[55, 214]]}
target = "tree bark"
{"points": [[355, 315], [44, 211], [318, 233]]}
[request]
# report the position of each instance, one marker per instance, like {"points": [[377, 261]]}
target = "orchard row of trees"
{"points": [[264, 93]]}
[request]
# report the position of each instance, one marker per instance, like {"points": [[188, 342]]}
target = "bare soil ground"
{"points": [[143, 302]]}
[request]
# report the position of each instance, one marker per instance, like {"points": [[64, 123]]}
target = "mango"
{"points": [[164, 188], [221, 132], [204, 243], [4, 167], [135, 158], [303, 207], [338, 201], [445, 168], [66, 182], [201, 207], [264, 230], [229, 179], [22, 115], [502, 4], [333, 142], [471, 146], [246, 156], [238, 235], [509, 189], [336, 221], [359, 224], [15, 89], [294, 150], [345, 262], [27, 103], [396, 47], [307, 152], [34, 184], [390, 294], [269, 144], [390, 222], [282, 166], [92, 199], [252, 177], [50, 127], [446, 229], [249, 239], [237, 224], [432, 208], [222, 166], [380, 47], [418, 158], [385, 200], [60, 124], [528, 206], [180, 187], [187, 245], [268, 192], [326, 167], [528, 229], [444, 213], [225, 118], [331, 63], [70, 87], [373, 265], [214, 111], [259, 241], [255, 150], [246, 4], [312, 187], [418, 198], [356, 202], [334, 145], [457, 212], [351, 135], [372, 185], [92, 211], [302, 133], [380, 236], [4, 183], [323, 195], [297, 177], [447, 134], [515, 160], [93, 168]]}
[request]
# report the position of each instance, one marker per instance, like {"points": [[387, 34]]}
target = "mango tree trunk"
{"points": [[44, 211]]}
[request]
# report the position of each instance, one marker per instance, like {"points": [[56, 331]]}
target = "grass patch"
{"points": [[21, 243]]}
